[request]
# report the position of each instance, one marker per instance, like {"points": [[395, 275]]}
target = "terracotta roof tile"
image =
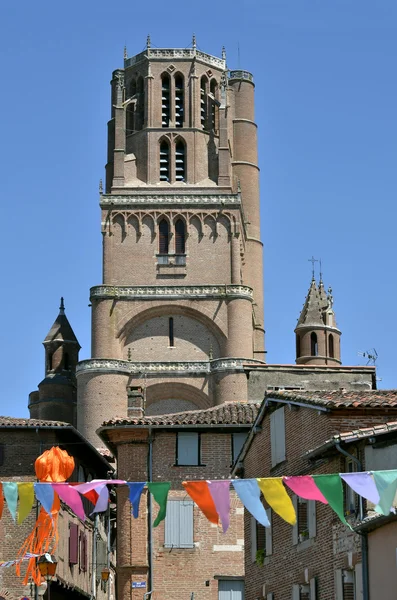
{"points": [[14, 422], [340, 398], [229, 413]]}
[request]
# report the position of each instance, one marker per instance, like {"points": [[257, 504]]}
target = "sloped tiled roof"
{"points": [[341, 398], [15, 422], [229, 413]]}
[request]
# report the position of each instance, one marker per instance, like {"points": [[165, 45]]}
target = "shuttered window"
{"points": [[188, 448], [231, 589], [238, 440], [180, 237], [305, 527], [179, 524], [164, 235], [73, 544], [83, 551], [277, 436]]}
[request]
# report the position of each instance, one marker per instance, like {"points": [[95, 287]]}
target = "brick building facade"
{"points": [[297, 433]]}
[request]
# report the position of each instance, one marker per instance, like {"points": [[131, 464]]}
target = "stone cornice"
{"points": [[171, 292], [125, 367], [110, 201], [176, 54]]}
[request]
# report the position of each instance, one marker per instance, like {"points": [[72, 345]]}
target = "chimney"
{"points": [[136, 402]]}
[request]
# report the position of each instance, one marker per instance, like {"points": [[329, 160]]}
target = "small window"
{"points": [[305, 527], [277, 436], [351, 498], [171, 332], [298, 345], [238, 440], [73, 544], [180, 237], [165, 101], [214, 108], [66, 362], [188, 448], [313, 344], [345, 585], [164, 161], [180, 161], [164, 234], [179, 108], [179, 524], [83, 552], [331, 350], [231, 589]]}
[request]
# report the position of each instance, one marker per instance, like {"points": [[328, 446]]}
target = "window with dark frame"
{"points": [[180, 236], [73, 544], [238, 438], [298, 345], [164, 161], [188, 448], [313, 344], [331, 350], [165, 100], [179, 100], [180, 161], [203, 102]]}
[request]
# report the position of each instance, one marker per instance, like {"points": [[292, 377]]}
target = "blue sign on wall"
{"points": [[139, 584]]}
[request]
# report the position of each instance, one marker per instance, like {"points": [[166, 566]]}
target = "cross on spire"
{"points": [[312, 260]]}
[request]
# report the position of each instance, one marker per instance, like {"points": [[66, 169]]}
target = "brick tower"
{"points": [[180, 309]]}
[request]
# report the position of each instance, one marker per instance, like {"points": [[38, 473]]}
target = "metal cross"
{"points": [[312, 260]]}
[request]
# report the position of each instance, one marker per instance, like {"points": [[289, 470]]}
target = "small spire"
{"points": [[223, 53], [148, 41], [330, 298], [62, 307], [312, 260], [194, 42], [125, 53], [321, 273], [100, 186]]}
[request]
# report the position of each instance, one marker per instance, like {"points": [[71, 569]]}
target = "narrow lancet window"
{"points": [[214, 108], [179, 99], [171, 331], [203, 102], [164, 236], [165, 101], [313, 344], [164, 161], [180, 161], [180, 237], [140, 104], [331, 350]]}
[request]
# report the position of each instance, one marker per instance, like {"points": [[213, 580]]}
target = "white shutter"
{"points": [[273, 437], [269, 534], [313, 589], [296, 592], [172, 533], [254, 545], [311, 518], [185, 523], [358, 581], [338, 584], [280, 432], [295, 536]]}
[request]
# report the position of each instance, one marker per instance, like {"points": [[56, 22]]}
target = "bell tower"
{"points": [[180, 308]]}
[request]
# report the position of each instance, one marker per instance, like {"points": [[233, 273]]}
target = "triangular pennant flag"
{"points": [[26, 499], [45, 495], [249, 493], [220, 492], [331, 487], [362, 484], [304, 487], [71, 497], [103, 500], [277, 497], [200, 494], [160, 490], [1, 500], [10, 491], [136, 489], [386, 484]]}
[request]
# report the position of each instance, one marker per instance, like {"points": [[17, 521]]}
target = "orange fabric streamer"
{"points": [[56, 466], [200, 494]]}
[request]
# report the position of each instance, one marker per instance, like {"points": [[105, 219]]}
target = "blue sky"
{"points": [[326, 98]]}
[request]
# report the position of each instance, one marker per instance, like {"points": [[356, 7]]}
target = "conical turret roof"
{"points": [[316, 302], [61, 329]]}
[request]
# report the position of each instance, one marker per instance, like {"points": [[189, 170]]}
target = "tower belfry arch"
{"points": [[181, 301]]}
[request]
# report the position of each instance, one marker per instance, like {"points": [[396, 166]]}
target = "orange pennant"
{"points": [[200, 494]]}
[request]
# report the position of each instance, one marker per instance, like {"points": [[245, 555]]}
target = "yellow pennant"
{"points": [[26, 499], [277, 497]]}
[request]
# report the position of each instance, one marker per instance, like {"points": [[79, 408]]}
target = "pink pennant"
{"points": [[83, 488], [304, 487], [220, 492], [71, 497]]}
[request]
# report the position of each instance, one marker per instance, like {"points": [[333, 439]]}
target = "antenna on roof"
{"points": [[370, 356]]}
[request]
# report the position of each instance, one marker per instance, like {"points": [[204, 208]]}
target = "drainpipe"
{"points": [[150, 511], [108, 550], [94, 536], [364, 537]]}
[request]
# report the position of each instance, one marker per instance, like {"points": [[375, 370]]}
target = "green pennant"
{"points": [[331, 488], [386, 484], [160, 490]]}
